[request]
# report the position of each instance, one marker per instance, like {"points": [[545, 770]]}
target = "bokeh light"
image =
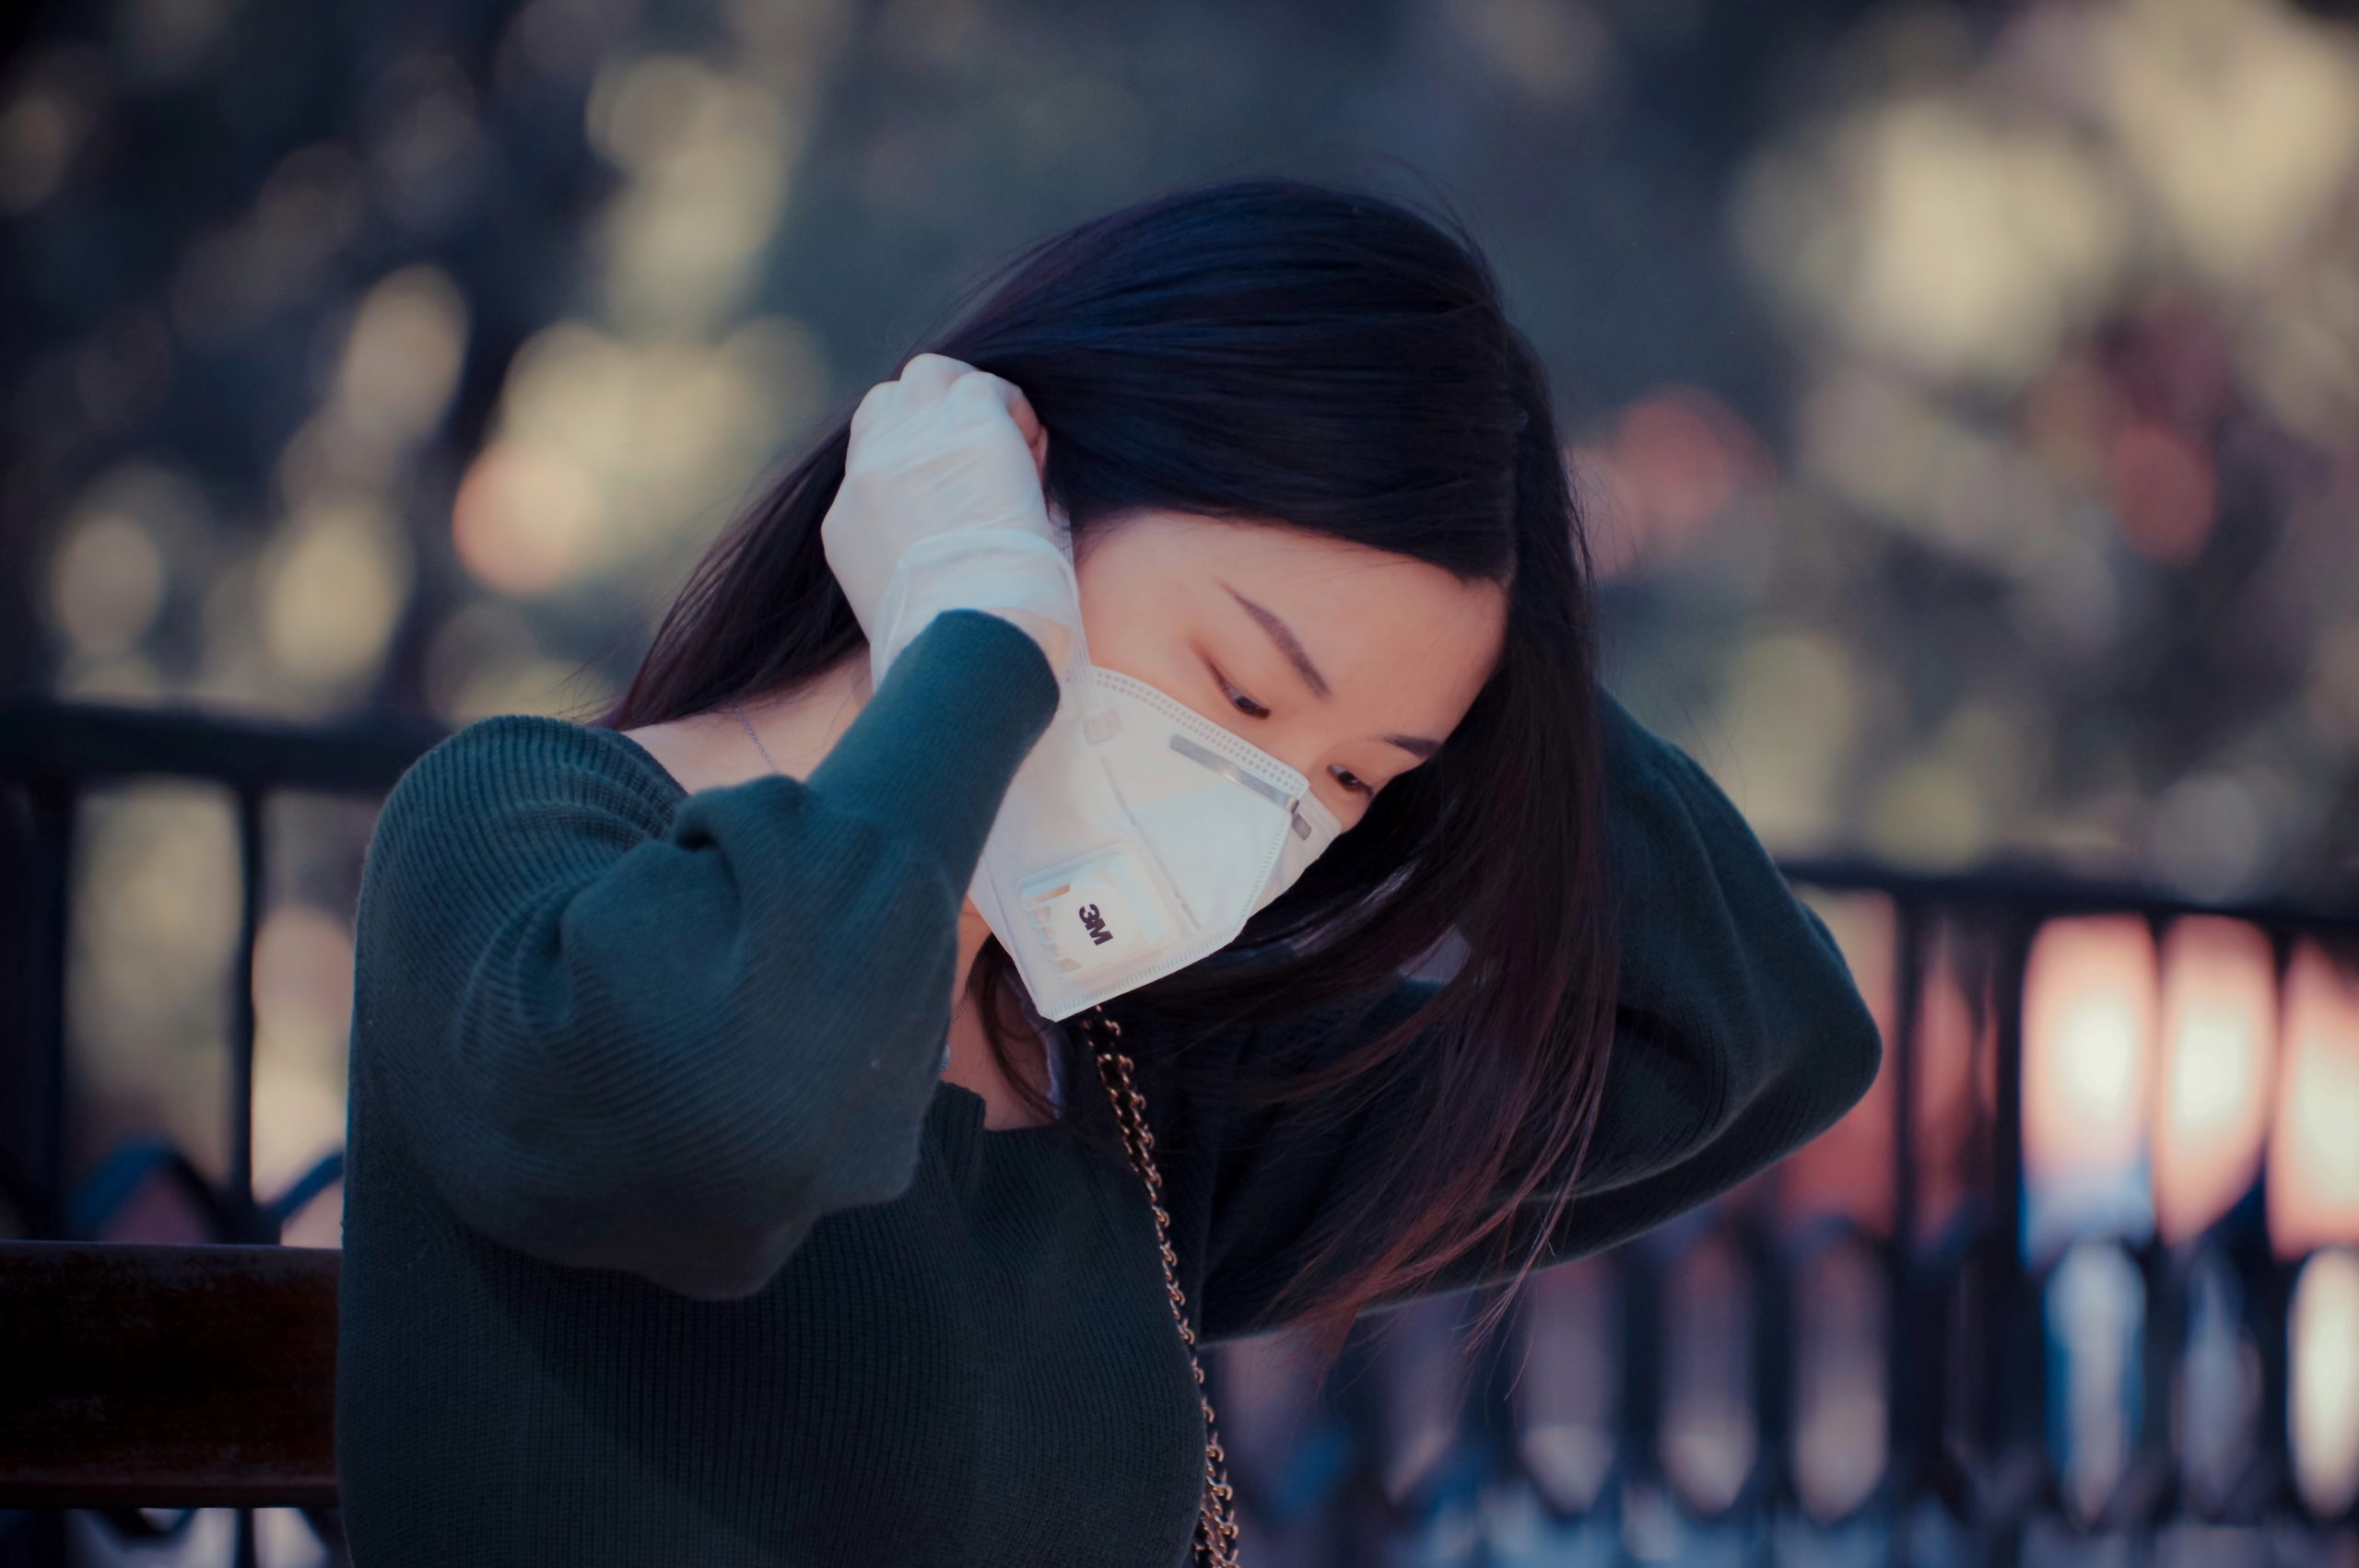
{"points": [[2219, 1053], [2325, 1415], [1964, 405], [2312, 1153], [2089, 1032]]}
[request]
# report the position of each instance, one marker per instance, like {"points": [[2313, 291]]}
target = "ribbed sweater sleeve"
{"points": [[1739, 1034], [627, 1029]]}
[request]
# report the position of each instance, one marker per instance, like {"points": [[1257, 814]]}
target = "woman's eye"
{"points": [[1252, 709], [1238, 700]]}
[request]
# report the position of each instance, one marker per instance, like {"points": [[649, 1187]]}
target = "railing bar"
{"points": [[251, 894], [2151, 1476], [1638, 1415], [2162, 1268], [2010, 1312], [1770, 1368], [2274, 1284], [48, 914], [2002, 888], [91, 742], [1903, 1342]]}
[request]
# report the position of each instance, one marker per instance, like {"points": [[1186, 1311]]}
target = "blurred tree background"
{"points": [[1964, 399]]}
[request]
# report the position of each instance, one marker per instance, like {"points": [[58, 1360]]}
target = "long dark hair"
{"points": [[1276, 351]]}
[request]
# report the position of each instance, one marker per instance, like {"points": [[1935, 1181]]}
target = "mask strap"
{"points": [[1095, 711]]}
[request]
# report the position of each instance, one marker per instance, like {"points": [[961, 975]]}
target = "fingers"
{"points": [[872, 407], [938, 375], [930, 375], [983, 384], [1013, 399], [1019, 408], [926, 376]]}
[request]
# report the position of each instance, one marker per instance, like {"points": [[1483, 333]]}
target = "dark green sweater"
{"points": [[666, 1245]]}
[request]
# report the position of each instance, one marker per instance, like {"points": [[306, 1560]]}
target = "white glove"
{"points": [[940, 508], [1013, 574]]}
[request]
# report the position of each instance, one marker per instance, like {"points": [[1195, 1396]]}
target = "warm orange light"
{"points": [[2314, 1148], [2163, 490], [2090, 1019], [2089, 1024], [2219, 1052], [523, 521], [1674, 461]]}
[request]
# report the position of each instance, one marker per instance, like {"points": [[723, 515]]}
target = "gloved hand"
{"points": [[940, 508]]}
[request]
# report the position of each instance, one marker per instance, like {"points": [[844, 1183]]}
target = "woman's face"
{"points": [[1346, 663]]}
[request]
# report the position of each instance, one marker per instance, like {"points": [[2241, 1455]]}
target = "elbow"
{"points": [[1847, 1053], [719, 1231], [1845, 1063], [740, 1283], [732, 1262], [1861, 1053], [680, 1244], [718, 1269]]}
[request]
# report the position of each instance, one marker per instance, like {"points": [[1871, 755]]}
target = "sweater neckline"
{"points": [[1029, 1167], [972, 1107], [967, 1107]]}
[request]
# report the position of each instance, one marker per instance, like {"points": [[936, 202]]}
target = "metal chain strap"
{"points": [[1215, 1520], [1215, 1523]]}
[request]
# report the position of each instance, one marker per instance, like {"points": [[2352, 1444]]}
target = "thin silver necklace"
{"points": [[756, 739]]}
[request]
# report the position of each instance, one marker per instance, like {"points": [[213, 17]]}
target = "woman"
{"points": [[721, 1190]]}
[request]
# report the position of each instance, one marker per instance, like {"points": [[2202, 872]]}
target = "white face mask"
{"points": [[1137, 838]]}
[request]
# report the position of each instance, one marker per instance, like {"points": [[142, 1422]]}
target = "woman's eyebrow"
{"points": [[1291, 646]]}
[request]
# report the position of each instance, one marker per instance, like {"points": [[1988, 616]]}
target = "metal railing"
{"points": [[1404, 1460], [1408, 1456], [53, 755]]}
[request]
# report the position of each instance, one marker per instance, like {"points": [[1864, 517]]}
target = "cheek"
{"points": [[1131, 631], [1342, 804]]}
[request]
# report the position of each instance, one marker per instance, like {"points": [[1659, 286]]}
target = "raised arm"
{"points": [[1739, 1034], [669, 1047]]}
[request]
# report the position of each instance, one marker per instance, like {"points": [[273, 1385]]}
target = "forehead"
{"points": [[1398, 638]]}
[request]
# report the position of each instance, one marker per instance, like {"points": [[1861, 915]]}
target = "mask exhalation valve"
{"points": [[1096, 912]]}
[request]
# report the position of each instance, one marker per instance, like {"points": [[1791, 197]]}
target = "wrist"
{"points": [[1022, 578], [1054, 637]]}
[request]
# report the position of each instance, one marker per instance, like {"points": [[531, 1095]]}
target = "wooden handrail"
{"points": [[133, 1375]]}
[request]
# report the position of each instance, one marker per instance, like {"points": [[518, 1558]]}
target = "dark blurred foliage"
{"points": [[1964, 399]]}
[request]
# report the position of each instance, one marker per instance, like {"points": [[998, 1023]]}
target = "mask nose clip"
{"points": [[1197, 753]]}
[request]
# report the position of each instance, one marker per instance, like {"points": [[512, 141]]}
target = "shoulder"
{"points": [[1636, 759], [521, 756], [526, 778]]}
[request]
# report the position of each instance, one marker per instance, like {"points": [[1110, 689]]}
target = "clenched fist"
{"points": [[940, 508]]}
